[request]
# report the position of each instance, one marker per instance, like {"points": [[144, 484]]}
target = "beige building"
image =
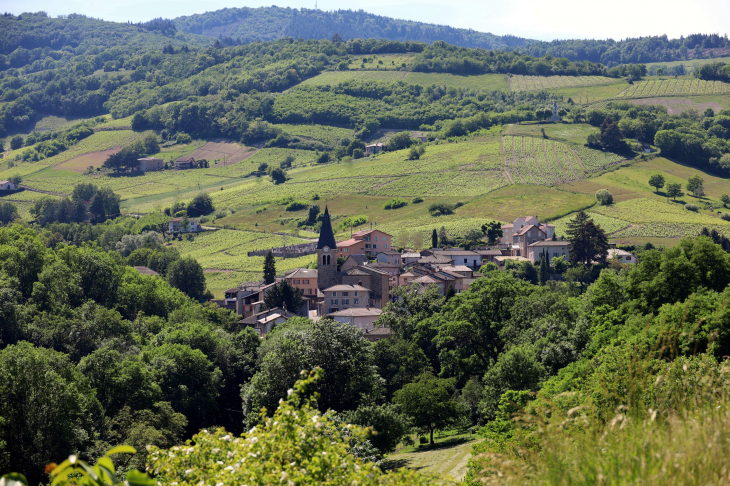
{"points": [[147, 164], [622, 256], [344, 296], [550, 248], [363, 318]]}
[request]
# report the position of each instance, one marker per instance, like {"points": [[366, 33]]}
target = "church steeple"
{"points": [[326, 235]]}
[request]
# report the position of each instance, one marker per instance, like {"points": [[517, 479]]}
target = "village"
{"points": [[355, 278]]}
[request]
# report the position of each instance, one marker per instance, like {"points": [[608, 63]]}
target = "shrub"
{"points": [[297, 206], [691, 207], [395, 203], [183, 138], [725, 216], [323, 158], [604, 197], [352, 221], [440, 209], [416, 200], [358, 154]]}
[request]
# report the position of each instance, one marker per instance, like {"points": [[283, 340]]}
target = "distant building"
{"points": [[550, 249], [622, 256], [366, 242], [374, 148], [7, 186], [147, 271], [518, 226], [341, 297], [147, 164], [364, 318], [263, 322], [184, 163], [377, 334], [461, 257], [175, 226]]}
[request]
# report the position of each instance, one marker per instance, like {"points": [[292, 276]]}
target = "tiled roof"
{"points": [[454, 253], [382, 331], [355, 271], [302, 273], [456, 268], [528, 228], [488, 252], [142, 270], [550, 243], [359, 259], [346, 288], [349, 242], [357, 312], [436, 259]]}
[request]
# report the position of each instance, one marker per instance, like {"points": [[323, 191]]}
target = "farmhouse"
{"points": [[7, 186], [364, 318], [374, 148], [341, 297], [366, 242], [184, 163], [175, 226], [550, 249], [518, 226], [150, 163], [622, 256]]}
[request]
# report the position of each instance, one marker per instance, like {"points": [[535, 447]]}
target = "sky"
{"points": [[534, 19]]}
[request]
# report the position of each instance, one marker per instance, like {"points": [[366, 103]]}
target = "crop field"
{"points": [[644, 210], [596, 160], [532, 160], [330, 78], [381, 61], [416, 233], [230, 152], [575, 133], [486, 82], [324, 133], [608, 224], [97, 142], [667, 230], [536, 83], [223, 256], [82, 162], [674, 87]]}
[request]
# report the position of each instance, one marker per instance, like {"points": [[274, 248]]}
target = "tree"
{"points": [[200, 205], [16, 179], [695, 185], [434, 239], [390, 426], [49, 408], [443, 236], [656, 181], [284, 296], [604, 197], [399, 141], [278, 176], [8, 212], [588, 242], [610, 134], [269, 268], [544, 269], [559, 264], [96, 207], [725, 199], [349, 377], [187, 275], [492, 230], [429, 403], [16, 142], [674, 190], [416, 152]]}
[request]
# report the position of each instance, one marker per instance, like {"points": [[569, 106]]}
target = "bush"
{"points": [[201, 204], [725, 216], [358, 153], [440, 209], [395, 203], [604, 197], [183, 138], [691, 207], [422, 440], [16, 142], [323, 158], [297, 206], [278, 176], [416, 200]]}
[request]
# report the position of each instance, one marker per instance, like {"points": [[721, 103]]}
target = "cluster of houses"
{"points": [[356, 291]]}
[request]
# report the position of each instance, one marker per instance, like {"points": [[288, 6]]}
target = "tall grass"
{"points": [[640, 419]]}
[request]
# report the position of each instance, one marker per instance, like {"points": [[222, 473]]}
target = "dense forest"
{"points": [[244, 25]]}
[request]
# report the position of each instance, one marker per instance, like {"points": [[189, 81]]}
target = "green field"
{"points": [[447, 459], [488, 82], [563, 132], [674, 87], [689, 63], [324, 133], [381, 61], [536, 83]]}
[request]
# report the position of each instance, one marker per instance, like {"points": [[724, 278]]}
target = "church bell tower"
{"points": [[327, 274]]}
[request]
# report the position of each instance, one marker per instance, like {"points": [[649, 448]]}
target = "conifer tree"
{"points": [[434, 239], [269, 268], [588, 241], [544, 269]]}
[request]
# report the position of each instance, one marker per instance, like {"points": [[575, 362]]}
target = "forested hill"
{"points": [[640, 50], [32, 36], [245, 24]]}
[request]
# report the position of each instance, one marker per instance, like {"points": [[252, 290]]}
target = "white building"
{"points": [[363, 318], [175, 226], [550, 249], [519, 224], [622, 256], [7, 186]]}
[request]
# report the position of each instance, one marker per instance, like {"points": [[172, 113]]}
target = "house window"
{"points": [[355, 301], [465, 260], [374, 245], [367, 245], [355, 295], [334, 301], [305, 281], [334, 294], [386, 246], [345, 301], [345, 294], [376, 238], [296, 282]]}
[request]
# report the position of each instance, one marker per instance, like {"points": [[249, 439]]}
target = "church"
{"points": [[354, 284]]}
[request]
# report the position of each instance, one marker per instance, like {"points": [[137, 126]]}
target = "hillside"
{"points": [[242, 25]]}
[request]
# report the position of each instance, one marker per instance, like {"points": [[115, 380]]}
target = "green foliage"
{"points": [[201, 204], [297, 206], [269, 268], [674, 190], [441, 209], [695, 185], [296, 444], [284, 296], [588, 242], [395, 203], [8, 212], [187, 275], [428, 402], [416, 152], [416, 200], [657, 181], [604, 197], [492, 230], [388, 425]]}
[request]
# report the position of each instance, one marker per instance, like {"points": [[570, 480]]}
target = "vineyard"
{"points": [[674, 87], [608, 224], [667, 230], [536, 161], [536, 83], [331, 78], [328, 135], [655, 211], [596, 160], [416, 233]]}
